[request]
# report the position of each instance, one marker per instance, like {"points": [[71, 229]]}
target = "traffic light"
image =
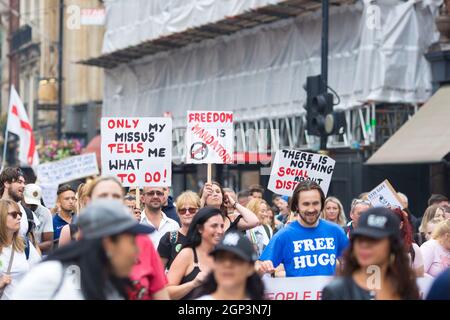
{"points": [[322, 121]]}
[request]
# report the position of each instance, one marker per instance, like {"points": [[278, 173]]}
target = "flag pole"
{"points": [[5, 143]]}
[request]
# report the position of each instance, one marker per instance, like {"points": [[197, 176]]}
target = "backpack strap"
{"points": [[30, 220], [266, 228], [27, 248]]}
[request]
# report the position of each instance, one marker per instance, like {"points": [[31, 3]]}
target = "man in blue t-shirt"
{"points": [[309, 246], [66, 204]]}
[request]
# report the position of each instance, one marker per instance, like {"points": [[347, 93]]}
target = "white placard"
{"points": [[384, 195], [310, 288], [209, 137], [292, 166], [68, 169], [138, 151], [49, 194]]}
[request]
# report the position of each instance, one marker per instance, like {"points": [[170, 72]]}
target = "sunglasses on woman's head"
{"points": [[191, 210], [14, 214]]}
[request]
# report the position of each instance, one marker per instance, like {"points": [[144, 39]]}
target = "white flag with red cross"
{"points": [[19, 124]]}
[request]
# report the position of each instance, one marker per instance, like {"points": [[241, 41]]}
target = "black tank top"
{"points": [[191, 275], [233, 225]]}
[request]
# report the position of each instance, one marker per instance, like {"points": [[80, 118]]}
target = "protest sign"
{"points": [[292, 166], [68, 169], [138, 151], [310, 288], [49, 194], [384, 195], [209, 137]]}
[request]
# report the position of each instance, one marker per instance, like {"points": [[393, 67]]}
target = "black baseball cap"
{"points": [[237, 244], [377, 223]]}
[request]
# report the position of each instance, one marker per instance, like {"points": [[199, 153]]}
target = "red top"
{"points": [[147, 274]]}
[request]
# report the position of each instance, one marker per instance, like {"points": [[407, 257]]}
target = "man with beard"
{"points": [[12, 186], [308, 246], [153, 199], [66, 206]]}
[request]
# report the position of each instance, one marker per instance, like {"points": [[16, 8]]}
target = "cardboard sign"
{"points": [[292, 166], [138, 151], [209, 137], [49, 194], [384, 195], [68, 169], [310, 288]]}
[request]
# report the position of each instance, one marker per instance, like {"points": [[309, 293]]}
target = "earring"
{"points": [[392, 259], [109, 255]]}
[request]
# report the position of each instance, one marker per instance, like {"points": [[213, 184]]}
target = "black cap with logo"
{"points": [[377, 223], [237, 244]]}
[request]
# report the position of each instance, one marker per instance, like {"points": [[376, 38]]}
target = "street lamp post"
{"points": [[60, 68]]}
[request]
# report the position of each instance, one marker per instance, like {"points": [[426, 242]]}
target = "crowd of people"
{"points": [[102, 241]]}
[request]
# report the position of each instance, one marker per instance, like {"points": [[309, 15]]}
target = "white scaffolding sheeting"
{"points": [[130, 22], [259, 73]]}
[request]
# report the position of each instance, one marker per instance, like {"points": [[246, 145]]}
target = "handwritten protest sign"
{"points": [[291, 167], [384, 195], [68, 169], [138, 151], [209, 137], [310, 288], [49, 194]]}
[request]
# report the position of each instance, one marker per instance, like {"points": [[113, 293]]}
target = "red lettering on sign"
{"points": [[123, 123], [126, 148], [211, 117]]}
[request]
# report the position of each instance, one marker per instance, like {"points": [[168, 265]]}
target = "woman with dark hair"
{"points": [[376, 266], [233, 276], [93, 268], [193, 263], [411, 248], [212, 195]]}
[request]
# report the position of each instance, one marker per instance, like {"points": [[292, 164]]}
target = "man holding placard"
{"points": [[309, 246]]}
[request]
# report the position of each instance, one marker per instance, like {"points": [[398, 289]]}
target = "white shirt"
{"points": [[50, 281], [19, 268], [45, 222], [166, 225]]}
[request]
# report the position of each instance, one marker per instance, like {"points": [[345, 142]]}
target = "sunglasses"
{"points": [[360, 201], [153, 193], [14, 214], [191, 210]]}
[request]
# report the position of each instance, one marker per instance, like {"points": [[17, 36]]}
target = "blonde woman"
{"points": [[432, 212], [187, 206], [261, 234], [436, 251], [333, 211], [16, 255]]}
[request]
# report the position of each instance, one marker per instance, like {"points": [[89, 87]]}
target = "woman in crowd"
{"points": [[16, 255], [99, 263], [334, 211], [233, 276], [260, 235], [99, 188], [147, 274], [187, 205], [375, 246], [436, 251], [431, 213], [272, 221], [413, 250], [193, 263], [212, 195]]}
